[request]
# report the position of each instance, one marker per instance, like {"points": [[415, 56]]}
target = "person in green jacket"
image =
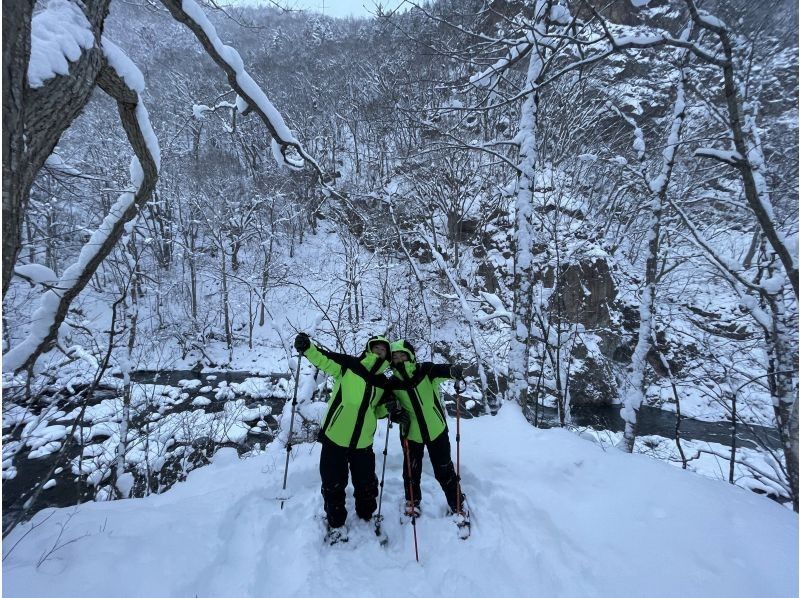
{"points": [[418, 393], [348, 428]]}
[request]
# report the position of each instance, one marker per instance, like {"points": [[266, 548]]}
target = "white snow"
{"points": [[730, 156], [124, 66], [59, 34], [199, 110], [55, 163], [133, 77], [710, 20], [553, 515], [190, 384], [37, 273]]}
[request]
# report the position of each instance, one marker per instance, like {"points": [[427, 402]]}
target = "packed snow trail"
{"points": [[554, 516]]}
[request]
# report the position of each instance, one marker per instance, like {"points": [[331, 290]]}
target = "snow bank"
{"points": [[553, 515]]}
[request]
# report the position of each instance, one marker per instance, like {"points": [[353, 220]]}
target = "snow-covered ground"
{"points": [[553, 515]]}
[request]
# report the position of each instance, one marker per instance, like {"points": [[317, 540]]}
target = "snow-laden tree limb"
{"points": [[120, 79], [658, 188], [466, 312], [730, 157], [500, 310], [228, 59], [747, 145], [765, 302], [34, 118]]}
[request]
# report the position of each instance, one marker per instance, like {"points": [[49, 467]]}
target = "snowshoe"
{"points": [[409, 511], [336, 535], [462, 521], [383, 539]]}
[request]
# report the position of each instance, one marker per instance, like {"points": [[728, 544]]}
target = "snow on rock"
{"points": [[255, 388], [44, 449], [59, 34], [14, 415], [255, 413], [224, 392], [44, 435], [125, 483], [190, 384], [554, 515]]}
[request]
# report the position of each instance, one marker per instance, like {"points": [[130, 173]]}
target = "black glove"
{"points": [[398, 415], [302, 342], [456, 372]]}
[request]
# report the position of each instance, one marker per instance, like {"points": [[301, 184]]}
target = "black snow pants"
{"points": [[443, 469], [334, 463]]}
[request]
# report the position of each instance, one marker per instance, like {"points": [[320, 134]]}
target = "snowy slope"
{"points": [[554, 515]]}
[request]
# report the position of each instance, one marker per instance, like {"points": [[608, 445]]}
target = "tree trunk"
{"points": [[225, 301], [526, 236], [35, 118]]}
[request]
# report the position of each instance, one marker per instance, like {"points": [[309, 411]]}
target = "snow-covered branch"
{"points": [[466, 312], [731, 157], [658, 189], [228, 59], [124, 82]]}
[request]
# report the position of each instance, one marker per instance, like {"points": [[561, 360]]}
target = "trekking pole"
{"points": [[458, 388], [379, 517], [411, 493], [291, 425]]}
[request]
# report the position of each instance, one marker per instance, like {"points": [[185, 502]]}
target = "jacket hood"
{"points": [[368, 358], [403, 346], [379, 340]]}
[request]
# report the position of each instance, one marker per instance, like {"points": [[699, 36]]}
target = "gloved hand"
{"points": [[398, 415], [302, 342], [456, 372]]}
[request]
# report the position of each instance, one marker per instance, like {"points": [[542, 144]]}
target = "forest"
{"points": [[592, 206]]}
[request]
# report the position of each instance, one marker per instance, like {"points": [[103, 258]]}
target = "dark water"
{"points": [[68, 492], [658, 422], [172, 377], [652, 422]]}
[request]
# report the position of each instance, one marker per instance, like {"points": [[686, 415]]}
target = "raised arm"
{"points": [[329, 362], [439, 372]]}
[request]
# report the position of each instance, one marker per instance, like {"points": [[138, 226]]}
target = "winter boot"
{"points": [[335, 535], [412, 509], [461, 518]]}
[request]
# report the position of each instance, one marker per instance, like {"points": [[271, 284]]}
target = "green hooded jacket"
{"points": [[356, 400], [417, 390]]}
